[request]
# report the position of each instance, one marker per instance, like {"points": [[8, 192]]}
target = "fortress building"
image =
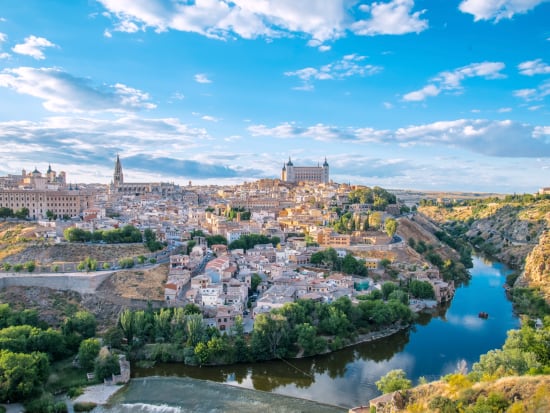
{"points": [[295, 174]]}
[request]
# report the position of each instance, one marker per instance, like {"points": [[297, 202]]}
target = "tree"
{"points": [[255, 280], [195, 329], [270, 336], [50, 215], [308, 340], [106, 364], [390, 226], [387, 289], [394, 380], [421, 289], [375, 219], [126, 322], [29, 266], [6, 212], [87, 353], [22, 375], [23, 213]]}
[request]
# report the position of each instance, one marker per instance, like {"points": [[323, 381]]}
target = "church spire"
{"points": [[118, 178]]}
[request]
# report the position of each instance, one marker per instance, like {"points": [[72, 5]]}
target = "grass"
{"points": [[63, 377]]}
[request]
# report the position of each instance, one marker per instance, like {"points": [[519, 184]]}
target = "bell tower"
{"points": [[118, 177]]}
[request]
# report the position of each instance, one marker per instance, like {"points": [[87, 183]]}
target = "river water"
{"points": [[431, 348]]}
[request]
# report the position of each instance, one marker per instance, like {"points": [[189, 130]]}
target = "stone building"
{"points": [[295, 174]]}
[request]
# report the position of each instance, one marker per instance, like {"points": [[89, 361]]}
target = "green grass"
{"points": [[63, 376]]}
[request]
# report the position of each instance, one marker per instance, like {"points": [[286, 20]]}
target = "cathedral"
{"points": [[119, 187], [295, 174]]}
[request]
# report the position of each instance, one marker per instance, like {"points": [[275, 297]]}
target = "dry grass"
{"points": [[140, 284]]}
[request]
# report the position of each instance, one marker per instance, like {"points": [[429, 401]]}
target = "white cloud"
{"points": [[492, 138], [394, 17], [62, 92], [3, 37], [497, 9], [422, 94], [324, 48], [452, 80], [534, 94], [202, 78], [504, 110], [348, 66], [534, 67], [388, 105], [33, 46], [210, 118], [321, 21], [107, 33]]}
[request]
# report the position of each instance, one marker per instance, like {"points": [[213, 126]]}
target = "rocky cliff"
{"points": [[537, 267]]}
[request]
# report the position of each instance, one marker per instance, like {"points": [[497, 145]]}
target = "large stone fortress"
{"points": [[295, 174]]}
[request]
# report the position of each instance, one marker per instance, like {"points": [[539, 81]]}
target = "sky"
{"points": [[403, 94]]}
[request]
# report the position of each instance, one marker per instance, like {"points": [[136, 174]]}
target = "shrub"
{"points": [[84, 406]]}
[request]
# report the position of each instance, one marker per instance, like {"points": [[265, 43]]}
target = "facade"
{"points": [[295, 174], [40, 193], [119, 187]]}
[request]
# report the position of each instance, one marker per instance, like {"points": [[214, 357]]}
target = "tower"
{"points": [[118, 178], [325, 178]]}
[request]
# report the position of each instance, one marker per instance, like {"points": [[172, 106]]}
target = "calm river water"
{"points": [[431, 348]]}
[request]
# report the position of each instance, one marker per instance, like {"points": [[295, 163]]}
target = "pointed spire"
{"points": [[118, 177]]}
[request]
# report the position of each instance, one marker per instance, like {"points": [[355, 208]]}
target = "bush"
{"points": [[84, 406], [46, 404], [394, 380]]}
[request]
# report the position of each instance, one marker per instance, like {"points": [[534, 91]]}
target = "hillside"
{"points": [[537, 267], [511, 394]]}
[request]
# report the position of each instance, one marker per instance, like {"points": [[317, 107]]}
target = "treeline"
{"points": [[330, 259], [378, 197], [126, 234], [247, 242], [22, 213], [390, 291], [300, 328], [29, 346]]}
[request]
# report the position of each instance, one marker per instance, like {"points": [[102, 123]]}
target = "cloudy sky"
{"points": [[420, 94]]}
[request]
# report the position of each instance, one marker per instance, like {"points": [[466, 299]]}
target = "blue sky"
{"points": [[419, 94]]}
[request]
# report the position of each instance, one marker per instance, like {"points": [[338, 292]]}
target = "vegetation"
{"points": [[303, 327], [330, 259], [27, 349], [378, 197], [126, 234], [151, 240], [394, 380], [247, 242]]}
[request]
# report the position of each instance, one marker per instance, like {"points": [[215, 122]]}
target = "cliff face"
{"points": [[537, 267], [507, 231]]}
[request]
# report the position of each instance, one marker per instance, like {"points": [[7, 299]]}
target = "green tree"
{"points": [[270, 336], [87, 353], [255, 280], [50, 215], [6, 212], [106, 364], [387, 289], [394, 380], [23, 213], [308, 340], [421, 289], [22, 375], [194, 325], [29, 266], [390, 226]]}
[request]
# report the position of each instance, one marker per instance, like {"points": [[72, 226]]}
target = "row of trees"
{"points": [[28, 266], [247, 242], [126, 234], [303, 327], [22, 213]]}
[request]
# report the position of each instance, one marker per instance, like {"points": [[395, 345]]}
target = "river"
{"points": [[431, 348]]}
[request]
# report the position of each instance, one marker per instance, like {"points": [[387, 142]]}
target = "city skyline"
{"points": [[404, 94]]}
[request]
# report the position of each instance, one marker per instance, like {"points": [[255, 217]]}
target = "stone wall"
{"points": [[79, 282]]}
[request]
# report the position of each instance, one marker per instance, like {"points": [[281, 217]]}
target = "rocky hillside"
{"points": [[511, 394], [537, 267]]}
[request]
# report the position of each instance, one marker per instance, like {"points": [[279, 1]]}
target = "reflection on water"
{"points": [[431, 348]]}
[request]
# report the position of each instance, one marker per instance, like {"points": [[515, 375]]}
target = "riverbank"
{"points": [[98, 394]]}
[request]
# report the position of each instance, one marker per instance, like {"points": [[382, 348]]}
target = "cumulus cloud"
{"points": [[534, 94], [497, 9], [487, 137], [348, 66], [452, 80], [321, 21], [534, 67], [62, 92], [3, 38], [202, 78], [33, 46], [394, 17]]}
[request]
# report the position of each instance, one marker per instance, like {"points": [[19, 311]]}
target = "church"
{"points": [[120, 188], [295, 174]]}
